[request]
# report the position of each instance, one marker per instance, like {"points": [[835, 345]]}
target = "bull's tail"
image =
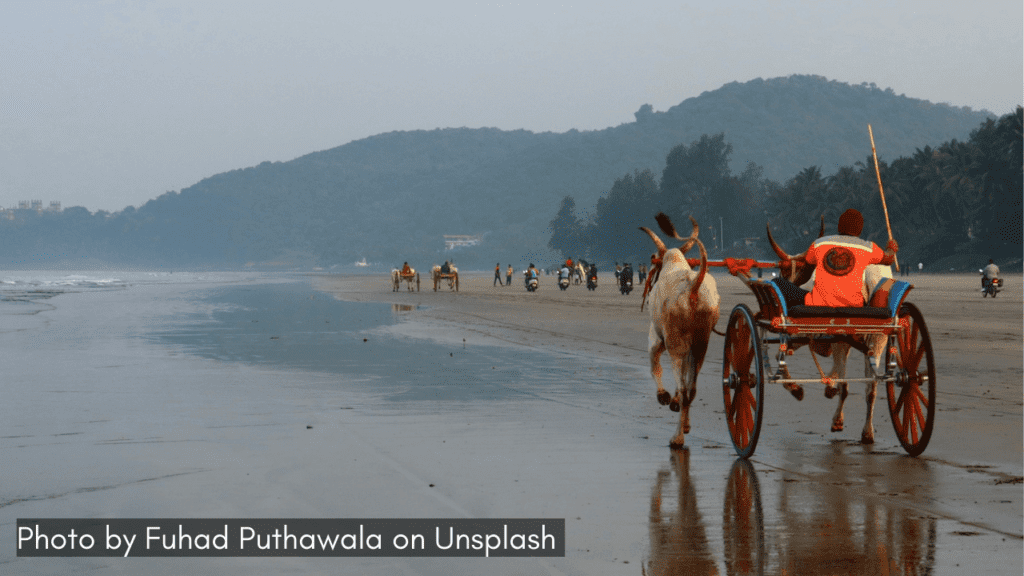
{"points": [[700, 275], [668, 228]]}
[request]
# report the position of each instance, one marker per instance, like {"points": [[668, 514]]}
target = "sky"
{"points": [[110, 104]]}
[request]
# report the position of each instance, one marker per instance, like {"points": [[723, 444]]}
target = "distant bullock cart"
{"points": [[409, 278], [452, 277]]}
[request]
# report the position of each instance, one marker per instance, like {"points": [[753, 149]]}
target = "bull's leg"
{"points": [[678, 370], [837, 418], [840, 354], [686, 370], [867, 436], [687, 392], [657, 348]]}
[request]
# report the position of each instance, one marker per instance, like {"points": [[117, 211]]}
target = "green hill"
{"points": [[391, 197]]}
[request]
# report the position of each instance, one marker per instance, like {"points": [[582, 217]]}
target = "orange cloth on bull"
{"points": [[839, 262], [406, 269]]}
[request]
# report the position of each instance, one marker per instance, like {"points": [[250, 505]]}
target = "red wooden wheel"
{"points": [[743, 381], [911, 395]]}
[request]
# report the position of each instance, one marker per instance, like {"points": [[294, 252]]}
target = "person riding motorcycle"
{"points": [[530, 275], [592, 277], [991, 272], [989, 276]]}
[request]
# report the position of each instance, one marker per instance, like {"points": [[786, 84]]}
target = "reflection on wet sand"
{"points": [[826, 528], [842, 522], [679, 542], [399, 308]]}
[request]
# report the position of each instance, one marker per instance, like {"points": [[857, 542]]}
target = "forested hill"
{"points": [[391, 197]]}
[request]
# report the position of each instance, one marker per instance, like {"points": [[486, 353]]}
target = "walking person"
{"points": [[508, 276], [497, 274]]}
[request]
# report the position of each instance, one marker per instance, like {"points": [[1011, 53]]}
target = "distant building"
{"points": [[37, 205], [452, 242]]}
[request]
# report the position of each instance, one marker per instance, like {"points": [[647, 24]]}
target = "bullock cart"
{"points": [[452, 278], [758, 343], [397, 277]]}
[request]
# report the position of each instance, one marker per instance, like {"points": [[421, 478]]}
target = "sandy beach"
{"points": [[327, 396]]}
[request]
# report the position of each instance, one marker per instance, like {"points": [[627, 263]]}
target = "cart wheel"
{"points": [[743, 381], [456, 281], [743, 521], [417, 281], [912, 407]]}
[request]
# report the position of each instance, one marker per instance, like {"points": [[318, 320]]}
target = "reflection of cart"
{"points": [[451, 277], [908, 371], [897, 540]]}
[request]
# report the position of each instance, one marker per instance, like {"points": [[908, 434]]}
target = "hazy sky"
{"points": [[110, 104]]}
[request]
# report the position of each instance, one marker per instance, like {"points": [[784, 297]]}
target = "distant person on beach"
{"points": [[497, 275], [508, 276], [446, 268]]}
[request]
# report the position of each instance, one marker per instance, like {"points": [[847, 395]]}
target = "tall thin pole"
{"points": [[881, 191]]}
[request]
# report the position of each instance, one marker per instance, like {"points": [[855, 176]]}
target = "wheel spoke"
{"points": [[901, 400], [914, 421], [921, 398], [906, 420]]}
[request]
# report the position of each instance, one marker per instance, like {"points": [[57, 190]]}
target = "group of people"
{"points": [[508, 275], [839, 261]]}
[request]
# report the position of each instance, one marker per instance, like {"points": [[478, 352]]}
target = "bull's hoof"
{"points": [[831, 391], [674, 406], [796, 390], [664, 398], [677, 443], [837, 427], [867, 438]]}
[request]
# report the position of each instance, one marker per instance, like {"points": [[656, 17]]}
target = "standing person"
{"points": [[497, 275], [508, 276]]}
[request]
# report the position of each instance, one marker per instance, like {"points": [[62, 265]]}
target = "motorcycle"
{"points": [[531, 282], [592, 279], [992, 286], [563, 283], [626, 280]]}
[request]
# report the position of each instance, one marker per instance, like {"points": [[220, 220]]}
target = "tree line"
{"points": [[948, 206]]}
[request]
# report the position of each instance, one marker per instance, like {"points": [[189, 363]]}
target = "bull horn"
{"points": [[775, 246], [797, 271], [657, 241]]}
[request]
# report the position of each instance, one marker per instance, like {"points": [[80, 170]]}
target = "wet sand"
{"points": [[499, 403], [968, 480]]}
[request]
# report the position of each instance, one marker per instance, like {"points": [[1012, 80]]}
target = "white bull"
{"points": [[684, 310]]}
